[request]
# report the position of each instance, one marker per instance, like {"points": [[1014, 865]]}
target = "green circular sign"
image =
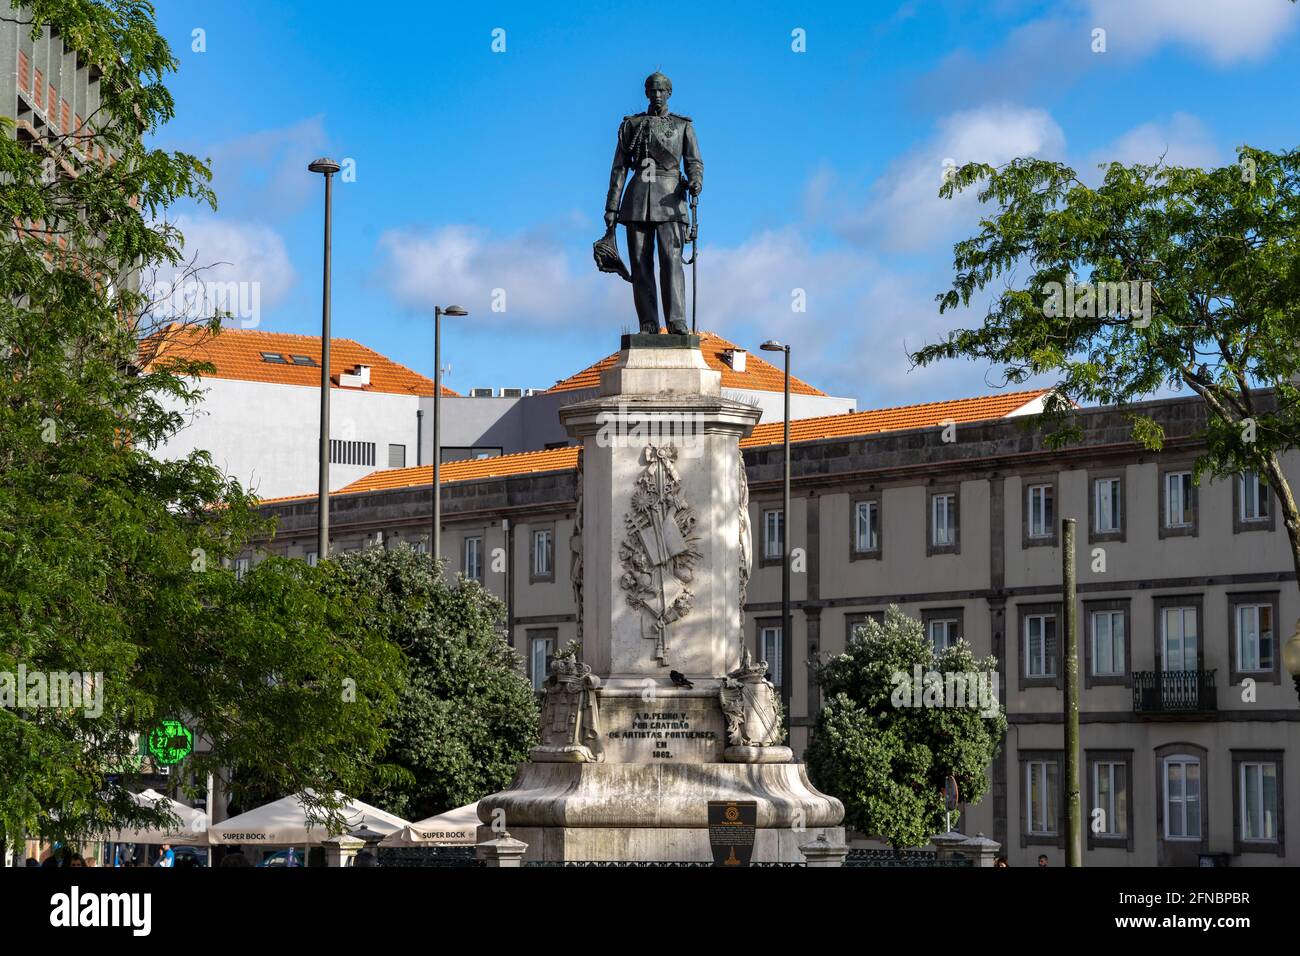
{"points": [[170, 742]]}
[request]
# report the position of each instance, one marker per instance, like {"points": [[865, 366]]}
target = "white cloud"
{"points": [[904, 211], [266, 172], [1227, 32], [540, 281], [239, 267], [861, 317], [1183, 141]]}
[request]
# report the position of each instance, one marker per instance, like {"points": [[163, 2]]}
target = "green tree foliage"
{"points": [[468, 716], [1217, 250], [886, 759], [112, 562]]}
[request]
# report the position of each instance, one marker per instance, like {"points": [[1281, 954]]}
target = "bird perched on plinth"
{"points": [[679, 679]]}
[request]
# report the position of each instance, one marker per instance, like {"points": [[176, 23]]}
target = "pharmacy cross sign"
{"points": [[170, 742]]}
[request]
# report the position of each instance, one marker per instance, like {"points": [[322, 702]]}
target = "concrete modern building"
{"points": [[45, 87], [951, 511], [261, 409]]}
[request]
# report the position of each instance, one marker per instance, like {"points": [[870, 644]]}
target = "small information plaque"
{"points": [[731, 831]]}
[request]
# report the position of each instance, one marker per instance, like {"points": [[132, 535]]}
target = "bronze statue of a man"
{"points": [[654, 145]]}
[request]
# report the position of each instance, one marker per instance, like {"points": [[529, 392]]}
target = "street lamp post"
{"points": [[435, 539], [328, 168], [787, 637]]}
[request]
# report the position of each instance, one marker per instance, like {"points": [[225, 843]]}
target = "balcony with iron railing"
{"points": [[1174, 692]]}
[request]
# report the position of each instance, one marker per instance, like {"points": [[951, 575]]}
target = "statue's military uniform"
{"points": [[654, 208]]}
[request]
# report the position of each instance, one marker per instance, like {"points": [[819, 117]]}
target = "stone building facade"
{"points": [[1189, 726]]}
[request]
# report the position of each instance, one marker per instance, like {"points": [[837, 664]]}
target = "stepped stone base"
{"points": [[658, 812]]}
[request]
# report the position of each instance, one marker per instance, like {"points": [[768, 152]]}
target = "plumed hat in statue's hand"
{"points": [[605, 251]]}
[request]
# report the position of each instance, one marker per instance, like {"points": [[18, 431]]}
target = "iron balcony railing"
{"points": [[1174, 692]]}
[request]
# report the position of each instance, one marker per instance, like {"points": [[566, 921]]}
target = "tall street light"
{"points": [[435, 541], [328, 168], [787, 638]]}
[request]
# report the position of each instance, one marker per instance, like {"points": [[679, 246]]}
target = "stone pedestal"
{"points": [[664, 712], [658, 811], [342, 850]]}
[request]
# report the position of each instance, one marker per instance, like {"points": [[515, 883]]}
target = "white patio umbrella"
{"points": [[192, 830], [457, 827], [284, 823]]}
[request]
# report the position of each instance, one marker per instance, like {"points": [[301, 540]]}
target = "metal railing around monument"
{"points": [[905, 858]]}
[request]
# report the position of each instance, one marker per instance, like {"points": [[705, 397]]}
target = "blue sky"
{"points": [[478, 170]]}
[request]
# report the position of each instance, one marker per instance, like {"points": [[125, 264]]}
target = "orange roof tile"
{"points": [[849, 424], [551, 459], [759, 375], [237, 354]]}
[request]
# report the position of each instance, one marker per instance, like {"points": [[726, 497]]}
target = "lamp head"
{"points": [[454, 310], [772, 345], [1291, 653], [324, 165]]}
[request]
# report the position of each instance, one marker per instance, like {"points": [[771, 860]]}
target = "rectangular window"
{"points": [[473, 558], [1042, 787], [943, 520], [1041, 507], [1258, 801], [1252, 497], [1254, 637], [241, 568], [312, 559], [1178, 499], [773, 534], [1182, 796], [38, 89], [866, 526], [1040, 645], [769, 647], [1178, 638], [396, 456], [541, 651], [943, 632], [542, 553], [1110, 796], [1108, 643], [854, 624], [1106, 505], [24, 72]]}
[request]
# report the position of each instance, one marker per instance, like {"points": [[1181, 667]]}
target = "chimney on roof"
{"points": [[735, 358], [359, 377]]}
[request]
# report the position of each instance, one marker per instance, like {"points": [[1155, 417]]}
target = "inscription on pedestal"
{"points": [[675, 729], [662, 731]]}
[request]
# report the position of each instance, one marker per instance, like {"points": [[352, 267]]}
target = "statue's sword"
{"points": [[695, 254]]}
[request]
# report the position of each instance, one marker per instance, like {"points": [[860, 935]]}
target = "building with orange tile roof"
{"points": [[848, 425], [952, 511], [281, 358], [260, 413]]}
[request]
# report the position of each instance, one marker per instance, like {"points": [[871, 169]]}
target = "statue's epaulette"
{"points": [[680, 116]]}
